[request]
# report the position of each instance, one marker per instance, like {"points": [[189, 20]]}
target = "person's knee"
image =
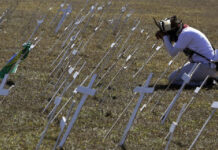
{"points": [[173, 76]]}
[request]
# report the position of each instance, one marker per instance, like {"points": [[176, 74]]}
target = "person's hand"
{"points": [[159, 34]]}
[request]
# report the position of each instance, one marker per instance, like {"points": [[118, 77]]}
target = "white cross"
{"points": [[61, 7], [86, 91], [156, 82], [173, 127], [57, 102], [39, 22], [4, 92], [62, 125], [142, 90], [186, 78], [214, 106], [66, 88], [66, 12], [197, 90]]}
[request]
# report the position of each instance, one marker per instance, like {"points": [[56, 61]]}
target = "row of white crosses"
{"points": [[120, 53], [84, 90], [77, 23], [74, 25], [71, 107], [157, 81], [112, 45], [65, 52], [89, 38], [67, 28], [141, 90], [74, 37], [75, 75], [52, 112], [127, 106]]}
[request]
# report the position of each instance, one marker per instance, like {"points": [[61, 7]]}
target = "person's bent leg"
{"points": [[197, 78]]}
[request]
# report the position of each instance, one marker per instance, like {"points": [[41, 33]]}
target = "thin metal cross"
{"points": [[197, 90], [214, 106], [62, 125], [86, 91], [65, 13], [156, 82], [66, 88], [57, 102], [39, 22], [142, 90], [186, 79], [173, 127]]}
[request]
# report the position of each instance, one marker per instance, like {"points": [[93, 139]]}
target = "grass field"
{"points": [[21, 117]]}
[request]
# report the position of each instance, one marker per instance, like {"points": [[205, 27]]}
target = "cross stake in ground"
{"points": [[214, 107], [62, 125], [57, 102], [186, 78], [173, 127], [39, 22], [142, 90], [66, 12], [155, 84], [86, 91]]}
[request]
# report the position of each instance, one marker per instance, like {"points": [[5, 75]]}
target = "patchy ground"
{"points": [[22, 120]]}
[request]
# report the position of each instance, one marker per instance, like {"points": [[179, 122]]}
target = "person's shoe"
{"points": [[10, 83], [211, 82]]}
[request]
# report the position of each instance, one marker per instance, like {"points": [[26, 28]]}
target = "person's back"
{"points": [[195, 40]]}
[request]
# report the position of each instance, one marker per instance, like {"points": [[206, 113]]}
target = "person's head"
{"points": [[171, 26]]}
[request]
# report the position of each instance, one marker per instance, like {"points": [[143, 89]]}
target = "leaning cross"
{"points": [[186, 79], [142, 90], [39, 22], [214, 107], [173, 127], [66, 12], [86, 91], [62, 125], [4, 92], [57, 102]]}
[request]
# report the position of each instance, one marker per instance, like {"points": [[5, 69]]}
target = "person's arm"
{"points": [[179, 46], [172, 50]]}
